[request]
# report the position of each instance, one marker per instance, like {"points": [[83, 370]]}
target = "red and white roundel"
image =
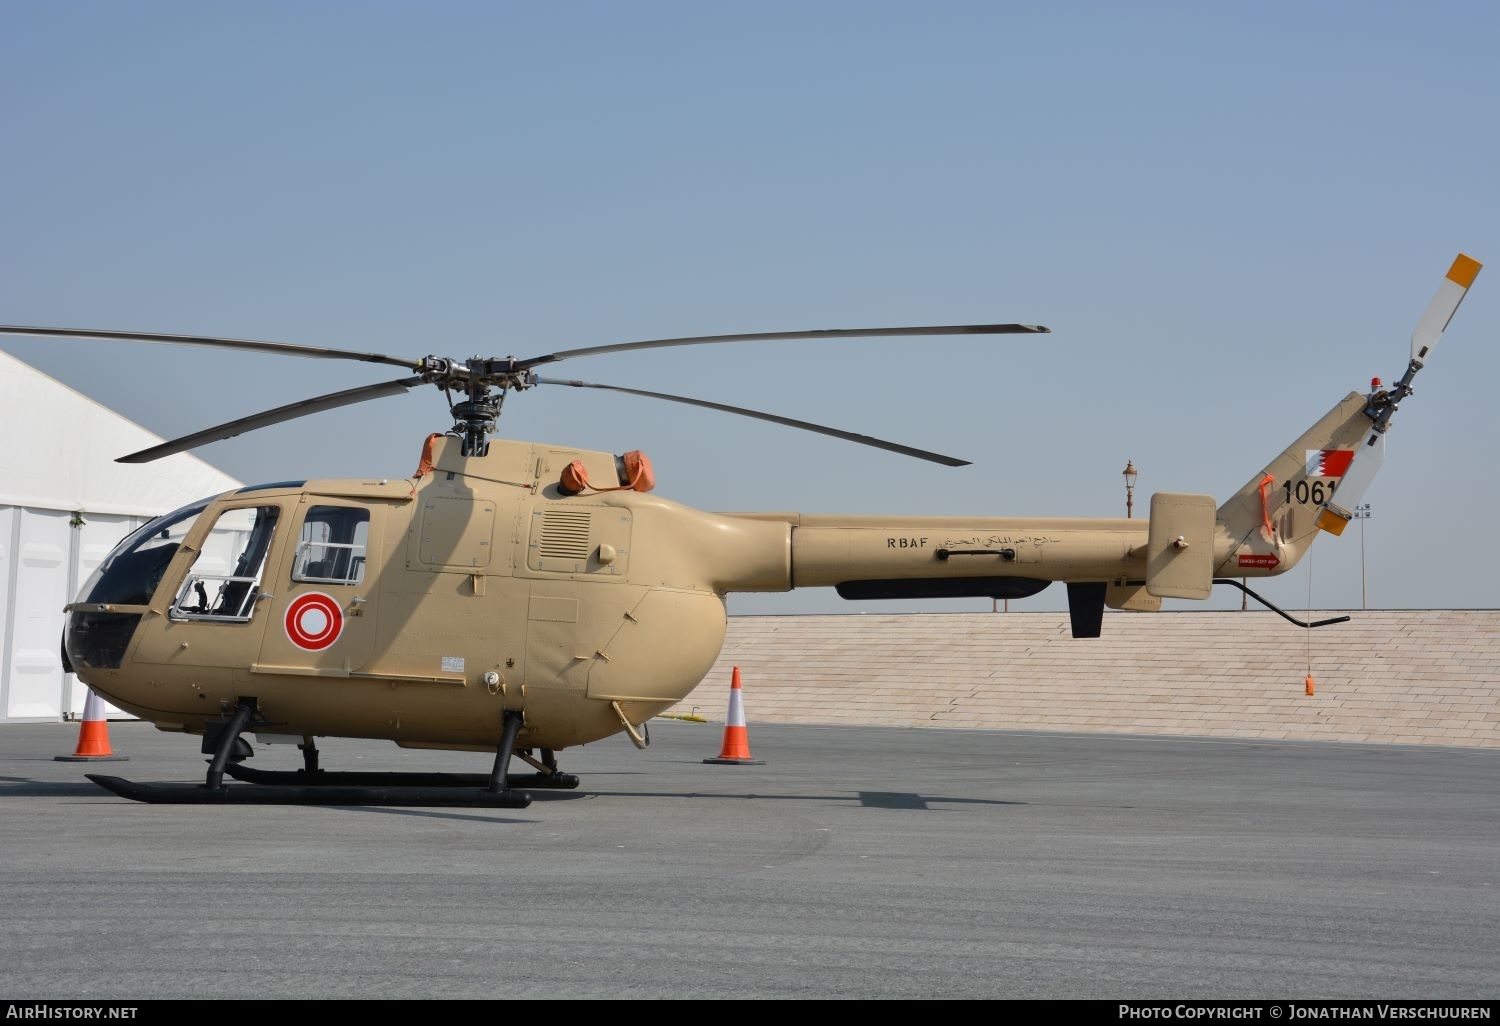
{"points": [[314, 621]]}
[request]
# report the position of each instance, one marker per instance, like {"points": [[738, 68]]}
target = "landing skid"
{"points": [[325, 779], [278, 794], [313, 786]]}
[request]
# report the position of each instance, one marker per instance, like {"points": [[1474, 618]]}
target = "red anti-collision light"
{"points": [[1374, 382]]}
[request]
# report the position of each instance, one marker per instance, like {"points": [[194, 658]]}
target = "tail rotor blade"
{"points": [[1444, 304], [1368, 458]]}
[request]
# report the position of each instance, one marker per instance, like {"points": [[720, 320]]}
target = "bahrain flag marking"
{"points": [[1329, 462]]}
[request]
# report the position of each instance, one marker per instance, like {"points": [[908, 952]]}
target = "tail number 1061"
{"points": [[1316, 492]]}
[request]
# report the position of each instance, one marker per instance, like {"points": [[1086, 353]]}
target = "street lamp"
{"points": [[1362, 513], [1130, 473]]}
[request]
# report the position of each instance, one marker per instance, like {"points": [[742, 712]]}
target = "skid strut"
{"points": [[243, 710], [313, 786]]}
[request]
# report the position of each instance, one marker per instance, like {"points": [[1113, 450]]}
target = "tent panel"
{"points": [[39, 567]]}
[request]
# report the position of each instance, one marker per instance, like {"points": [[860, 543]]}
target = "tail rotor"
{"points": [[1333, 517]]}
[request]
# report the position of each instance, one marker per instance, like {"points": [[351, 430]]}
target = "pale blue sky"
{"points": [[1229, 215]]}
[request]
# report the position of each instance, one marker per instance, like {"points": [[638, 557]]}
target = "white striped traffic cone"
{"points": [[736, 748], [93, 736]]}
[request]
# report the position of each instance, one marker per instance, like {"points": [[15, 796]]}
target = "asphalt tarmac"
{"points": [[856, 863]]}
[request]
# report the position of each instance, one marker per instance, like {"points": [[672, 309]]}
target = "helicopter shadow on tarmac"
{"points": [[465, 817], [890, 800], [866, 799], [27, 787]]}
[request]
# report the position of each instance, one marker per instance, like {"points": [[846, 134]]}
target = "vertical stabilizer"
{"points": [[1271, 521]]}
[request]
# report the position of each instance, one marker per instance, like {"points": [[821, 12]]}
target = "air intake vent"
{"points": [[565, 534]]}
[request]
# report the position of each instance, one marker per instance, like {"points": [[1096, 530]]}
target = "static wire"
{"points": [[1309, 611]]}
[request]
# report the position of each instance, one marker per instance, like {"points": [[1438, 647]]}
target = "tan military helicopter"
{"points": [[521, 598]]}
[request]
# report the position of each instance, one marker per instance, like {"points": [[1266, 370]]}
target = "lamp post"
{"points": [[1130, 474], [1362, 512]]}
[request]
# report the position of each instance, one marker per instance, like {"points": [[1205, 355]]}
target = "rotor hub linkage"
{"points": [[475, 420], [1382, 403], [486, 381]]}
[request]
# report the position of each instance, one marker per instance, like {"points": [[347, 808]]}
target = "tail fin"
{"points": [[1272, 520]]}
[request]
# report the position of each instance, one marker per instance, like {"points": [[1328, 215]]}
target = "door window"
{"points": [[224, 582], [331, 548]]}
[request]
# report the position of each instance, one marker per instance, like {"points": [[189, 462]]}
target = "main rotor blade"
{"points": [[332, 401], [283, 348], [848, 436], [766, 336]]}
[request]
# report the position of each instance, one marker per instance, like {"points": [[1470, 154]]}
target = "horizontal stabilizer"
{"points": [[1180, 546]]}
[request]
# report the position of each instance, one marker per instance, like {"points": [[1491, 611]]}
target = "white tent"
{"points": [[64, 503]]}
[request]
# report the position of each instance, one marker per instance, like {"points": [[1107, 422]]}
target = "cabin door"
{"points": [[320, 615]]}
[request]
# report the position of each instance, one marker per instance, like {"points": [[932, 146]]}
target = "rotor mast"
{"points": [[475, 417]]}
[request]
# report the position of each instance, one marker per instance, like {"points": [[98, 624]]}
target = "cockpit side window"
{"points": [[224, 582], [331, 548]]}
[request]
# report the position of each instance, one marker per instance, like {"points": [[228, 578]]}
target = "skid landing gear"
{"points": [[311, 776], [314, 786], [547, 774]]}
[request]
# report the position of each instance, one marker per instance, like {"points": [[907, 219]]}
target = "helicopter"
{"points": [[520, 598]]}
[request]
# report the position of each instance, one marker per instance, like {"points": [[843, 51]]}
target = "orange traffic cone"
{"points": [[736, 748], [93, 736]]}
